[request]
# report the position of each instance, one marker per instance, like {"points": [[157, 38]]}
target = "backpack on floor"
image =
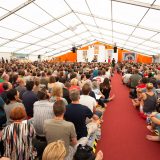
{"points": [[84, 153]]}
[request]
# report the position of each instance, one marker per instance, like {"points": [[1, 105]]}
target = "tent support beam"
{"points": [[140, 4], [16, 9]]}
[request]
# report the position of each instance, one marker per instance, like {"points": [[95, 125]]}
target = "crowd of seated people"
{"points": [[42, 103], [143, 81]]}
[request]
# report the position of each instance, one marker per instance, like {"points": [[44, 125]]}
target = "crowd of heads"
{"points": [[144, 80], [63, 83]]}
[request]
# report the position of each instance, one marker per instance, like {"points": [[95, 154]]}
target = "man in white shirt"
{"points": [[108, 73], [99, 78], [87, 100], [42, 110], [126, 78]]}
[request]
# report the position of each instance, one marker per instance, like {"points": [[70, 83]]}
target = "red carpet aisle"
{"points": [[123, 131]]}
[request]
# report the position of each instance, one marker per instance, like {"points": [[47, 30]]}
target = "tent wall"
{"points": [[8, 56], [5, 55], [144, 58], [68, 57], [33, 57]]}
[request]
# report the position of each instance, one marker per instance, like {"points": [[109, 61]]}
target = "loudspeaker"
{"points": [[39, 56], [115, 49], [74, 49]]}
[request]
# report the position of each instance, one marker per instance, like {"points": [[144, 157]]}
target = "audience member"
{"points": [[36, 87], [21, 87], [13, 101], [74, 84], [55, 150], [134, 80], [2, 113], [4, 93], [57, 93], [77, 114], [17, 137], [51, 83], [59, 129], [42, 110], [87, 100], [99, 78], [66, 92], [29, 98], [155, 125], [105, 88], [148, 105]]}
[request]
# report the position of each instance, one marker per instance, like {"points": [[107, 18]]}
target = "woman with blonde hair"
{"points": [[96, 90], [157, 76], [51, 82], [74, 84], [36, 87], [57, 93], [54, 151]]}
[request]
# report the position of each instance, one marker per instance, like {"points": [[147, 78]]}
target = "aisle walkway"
{"points": [[123, 131]]}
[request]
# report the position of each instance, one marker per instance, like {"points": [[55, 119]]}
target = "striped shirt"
{"points": [[42, 110], [17, 138]]}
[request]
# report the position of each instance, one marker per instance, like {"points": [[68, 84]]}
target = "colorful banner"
{"points": [[129, 56]]}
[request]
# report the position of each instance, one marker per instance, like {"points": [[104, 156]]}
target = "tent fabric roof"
{"points": [[51, 27]]}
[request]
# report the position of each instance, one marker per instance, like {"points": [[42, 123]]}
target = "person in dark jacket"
{"points": [[29, 98]]}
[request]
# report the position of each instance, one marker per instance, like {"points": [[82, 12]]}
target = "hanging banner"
{"points": [[129, 56]]}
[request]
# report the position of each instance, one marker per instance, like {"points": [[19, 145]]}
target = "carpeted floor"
{"points": [[123, 131]]}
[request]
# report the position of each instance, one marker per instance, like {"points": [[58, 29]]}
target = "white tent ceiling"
{"points": [[51, 27]]}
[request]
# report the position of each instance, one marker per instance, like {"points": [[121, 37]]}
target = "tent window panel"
{"points": [[55, 8], [82, 7], [118, 27], [41, 33], [128, 13], [11, 4], [151, 20], [16, 23], [55, 26], [102, 8]]}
